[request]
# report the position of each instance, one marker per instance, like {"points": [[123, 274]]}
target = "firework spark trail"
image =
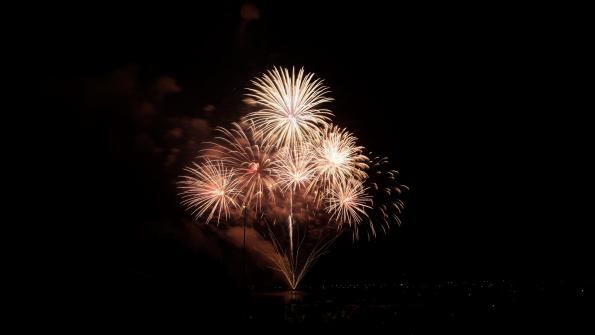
{"points": [[284, 261], [290, 220], [285, 149], [294, 168], [386, 192], [290, 103]]}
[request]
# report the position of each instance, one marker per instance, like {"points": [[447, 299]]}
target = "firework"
{"points": [[386, 193], [287, 263], [209, 189], [241, 149], [336, 157], [287, 147], [294, 168], [289, 104], [347, 203]]}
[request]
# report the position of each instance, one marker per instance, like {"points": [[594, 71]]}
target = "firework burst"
{"points": [[337, 158], [290, 106], [347, 203], [241, 149], [209, 189]]}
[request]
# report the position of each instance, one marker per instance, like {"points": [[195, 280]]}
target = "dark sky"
{"points": [[475, 111]]}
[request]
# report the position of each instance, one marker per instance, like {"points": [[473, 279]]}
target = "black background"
{"points": [[476, 107]]}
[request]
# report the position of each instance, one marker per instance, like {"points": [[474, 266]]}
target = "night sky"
{"points": [[475, 111]]}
